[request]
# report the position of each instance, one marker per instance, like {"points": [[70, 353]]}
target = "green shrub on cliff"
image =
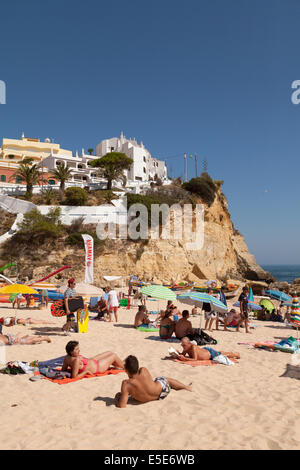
{"points": [[204, 187], [76, 196], [75, 239], [38, 227]]}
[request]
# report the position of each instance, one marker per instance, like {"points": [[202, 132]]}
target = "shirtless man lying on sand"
{"points": [[195, 353], [142, 387]]}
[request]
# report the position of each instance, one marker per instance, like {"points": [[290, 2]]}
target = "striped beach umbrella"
{"points": [[251, 305], [295, 312], [200, 298], [44, 285], [158, 292], [295, 315]]}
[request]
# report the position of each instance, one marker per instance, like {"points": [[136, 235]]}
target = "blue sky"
{"points": [[205, 77]]}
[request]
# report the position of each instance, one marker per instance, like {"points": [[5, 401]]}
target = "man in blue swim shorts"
{"points": [[192, 352]]}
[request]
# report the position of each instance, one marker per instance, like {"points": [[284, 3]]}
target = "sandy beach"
{"points": [[245, 406]]}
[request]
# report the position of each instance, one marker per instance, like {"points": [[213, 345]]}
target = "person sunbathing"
{"points": [[11, 321], [141, 318], [11, 340], [230, 318], [142, 387], [167, 326], [81, 366], [192, 352], [184, 327]]}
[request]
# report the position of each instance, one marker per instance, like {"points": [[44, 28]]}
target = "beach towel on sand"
{"points": [[200, 363], [88, 376], [196, 363]]}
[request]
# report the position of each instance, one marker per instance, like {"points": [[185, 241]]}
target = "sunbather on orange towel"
{"points": [[81, 366]]}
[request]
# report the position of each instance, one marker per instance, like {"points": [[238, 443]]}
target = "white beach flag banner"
{"points": [[89, 258]]}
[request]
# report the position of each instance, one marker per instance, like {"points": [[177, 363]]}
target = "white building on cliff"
{"points": [[144, 167]]}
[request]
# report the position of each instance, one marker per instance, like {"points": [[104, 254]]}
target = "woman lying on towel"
{"points": [[81, 366], [12, 321], [11, 340]]}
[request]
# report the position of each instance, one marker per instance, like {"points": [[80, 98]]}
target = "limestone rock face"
{"points": [[224, 255]]}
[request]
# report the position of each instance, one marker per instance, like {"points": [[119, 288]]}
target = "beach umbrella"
{"points": [[83, 288], [158, 292], [251, 305], [44, 285], [200, 298], [251, 296], [267, 304], [278, 295], [17, 289], [295, 314]]}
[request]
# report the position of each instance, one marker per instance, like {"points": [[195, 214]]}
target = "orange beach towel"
{"points": [[88, 376], [197, 363]]}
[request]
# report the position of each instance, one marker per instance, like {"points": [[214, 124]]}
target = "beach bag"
{"points": [[76, 304], [202, 338]]}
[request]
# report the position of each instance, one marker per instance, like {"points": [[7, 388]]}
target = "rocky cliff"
{"points": [[224, 256]]}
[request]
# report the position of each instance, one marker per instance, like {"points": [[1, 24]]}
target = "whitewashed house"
{"points": [[145, 168]]}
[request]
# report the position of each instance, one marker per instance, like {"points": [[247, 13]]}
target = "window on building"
{"points": [[3, 178], [144, 170], [80, 167], [144, 159], [19, 180], [112, 149], [11, 157], [58, 163], [139, 178], [51, 182]]}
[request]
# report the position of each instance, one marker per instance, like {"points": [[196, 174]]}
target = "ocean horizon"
{"points": [[283, 272]]}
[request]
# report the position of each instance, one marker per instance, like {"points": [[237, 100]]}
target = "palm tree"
{"points": [[90, 151], [29, 173], [62, 174]]}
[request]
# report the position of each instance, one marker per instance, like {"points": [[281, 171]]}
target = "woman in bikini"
{"points": [[11, 340], [167, 326], [81, 366]]}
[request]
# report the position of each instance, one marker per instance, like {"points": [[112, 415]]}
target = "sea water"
{"points": [[282, 272]]}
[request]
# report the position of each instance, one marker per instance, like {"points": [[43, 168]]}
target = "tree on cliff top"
{"points": [[204, 187], [111, 166]]}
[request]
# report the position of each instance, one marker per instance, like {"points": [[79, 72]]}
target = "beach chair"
{"points": [[93, 304]]}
